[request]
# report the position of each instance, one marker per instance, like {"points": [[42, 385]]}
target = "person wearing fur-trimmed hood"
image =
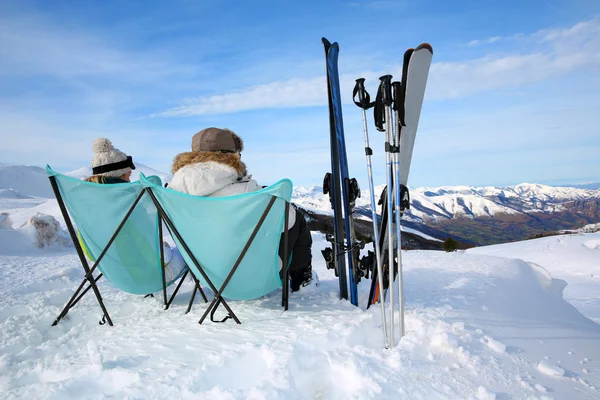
{"points": [[214, 168]]}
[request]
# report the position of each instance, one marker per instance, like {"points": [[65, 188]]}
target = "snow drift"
{"points": [[39, 232]]}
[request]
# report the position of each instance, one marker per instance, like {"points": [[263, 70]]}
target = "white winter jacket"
{"points": [[212, 179]]}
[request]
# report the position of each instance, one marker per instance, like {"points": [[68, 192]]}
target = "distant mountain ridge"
{"points": [[23, 181], [481, 215], [464, 201], [473, 215], [590, 185]]}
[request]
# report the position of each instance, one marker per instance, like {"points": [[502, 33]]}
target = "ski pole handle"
{"points": [[399, 95], [386, 90], [396, 88], [364, 99]]}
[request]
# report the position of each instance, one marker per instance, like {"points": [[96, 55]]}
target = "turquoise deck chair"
{"points": [[121, 232], [230, 244]]}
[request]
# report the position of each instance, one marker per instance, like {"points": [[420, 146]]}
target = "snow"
{"points": [[44, 230], [495, 345], [591, 228], [418, 233], [574, 258], [12, 194], [592, 244], [40, 231], [551, 370], [496, 322], [24, 180], [5, 221], [484, 394]]}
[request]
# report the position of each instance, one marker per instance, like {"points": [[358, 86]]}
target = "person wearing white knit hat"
{"points": [[109, 165]]}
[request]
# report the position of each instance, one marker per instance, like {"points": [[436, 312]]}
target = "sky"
{"points": [[513, 93]]}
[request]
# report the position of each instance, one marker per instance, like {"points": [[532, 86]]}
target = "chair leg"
{"points": [[85, 291], [218, 296], [202, 293], [176, 290], [71, 303], [68, 305], [214, 304], [285, 289], [196, 286]]}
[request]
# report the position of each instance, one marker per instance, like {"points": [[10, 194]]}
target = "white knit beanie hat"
{"points": [[108, 160]]}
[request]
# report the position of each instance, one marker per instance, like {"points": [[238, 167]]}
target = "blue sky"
{"points": [[513, 93]]}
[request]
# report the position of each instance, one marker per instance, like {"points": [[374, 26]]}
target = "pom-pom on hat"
{"points": [[108, 160]]}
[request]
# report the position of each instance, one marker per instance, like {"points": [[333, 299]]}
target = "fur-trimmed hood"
{"points": [[211, 174], [195, 157]]}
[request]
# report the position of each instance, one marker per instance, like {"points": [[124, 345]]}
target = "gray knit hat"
{"points": [[108, 160], [217, 139]]}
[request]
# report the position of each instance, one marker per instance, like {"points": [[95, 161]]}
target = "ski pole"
{"points": [[364, 102], [385, 97], [398, 106]]}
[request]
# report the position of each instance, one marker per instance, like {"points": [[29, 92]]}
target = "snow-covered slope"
{"points": [[477, 327], [574, 258], [17, 181], [12, 194]]}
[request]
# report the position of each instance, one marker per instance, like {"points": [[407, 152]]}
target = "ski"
{"points": [[334, 255], [413, 82], [408, 100], [350, 189]]}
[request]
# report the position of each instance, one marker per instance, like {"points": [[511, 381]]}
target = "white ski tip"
{"points": [[424, 46]]}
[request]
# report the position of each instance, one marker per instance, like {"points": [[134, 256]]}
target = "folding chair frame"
{"points": [[218, 299], [89, 277]]}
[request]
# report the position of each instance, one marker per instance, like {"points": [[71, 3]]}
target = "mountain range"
{"points": [[472, 215], [479, 216]]}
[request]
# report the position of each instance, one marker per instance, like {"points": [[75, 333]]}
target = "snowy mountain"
{"points": [[484, 215], [19, 181], [449, 202], [588, 185], [472, 215]]}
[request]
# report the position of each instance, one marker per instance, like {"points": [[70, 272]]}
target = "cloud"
{"points": [[306, 92], [478, 42], [32, 46], [557, 52], [48, 140]]}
